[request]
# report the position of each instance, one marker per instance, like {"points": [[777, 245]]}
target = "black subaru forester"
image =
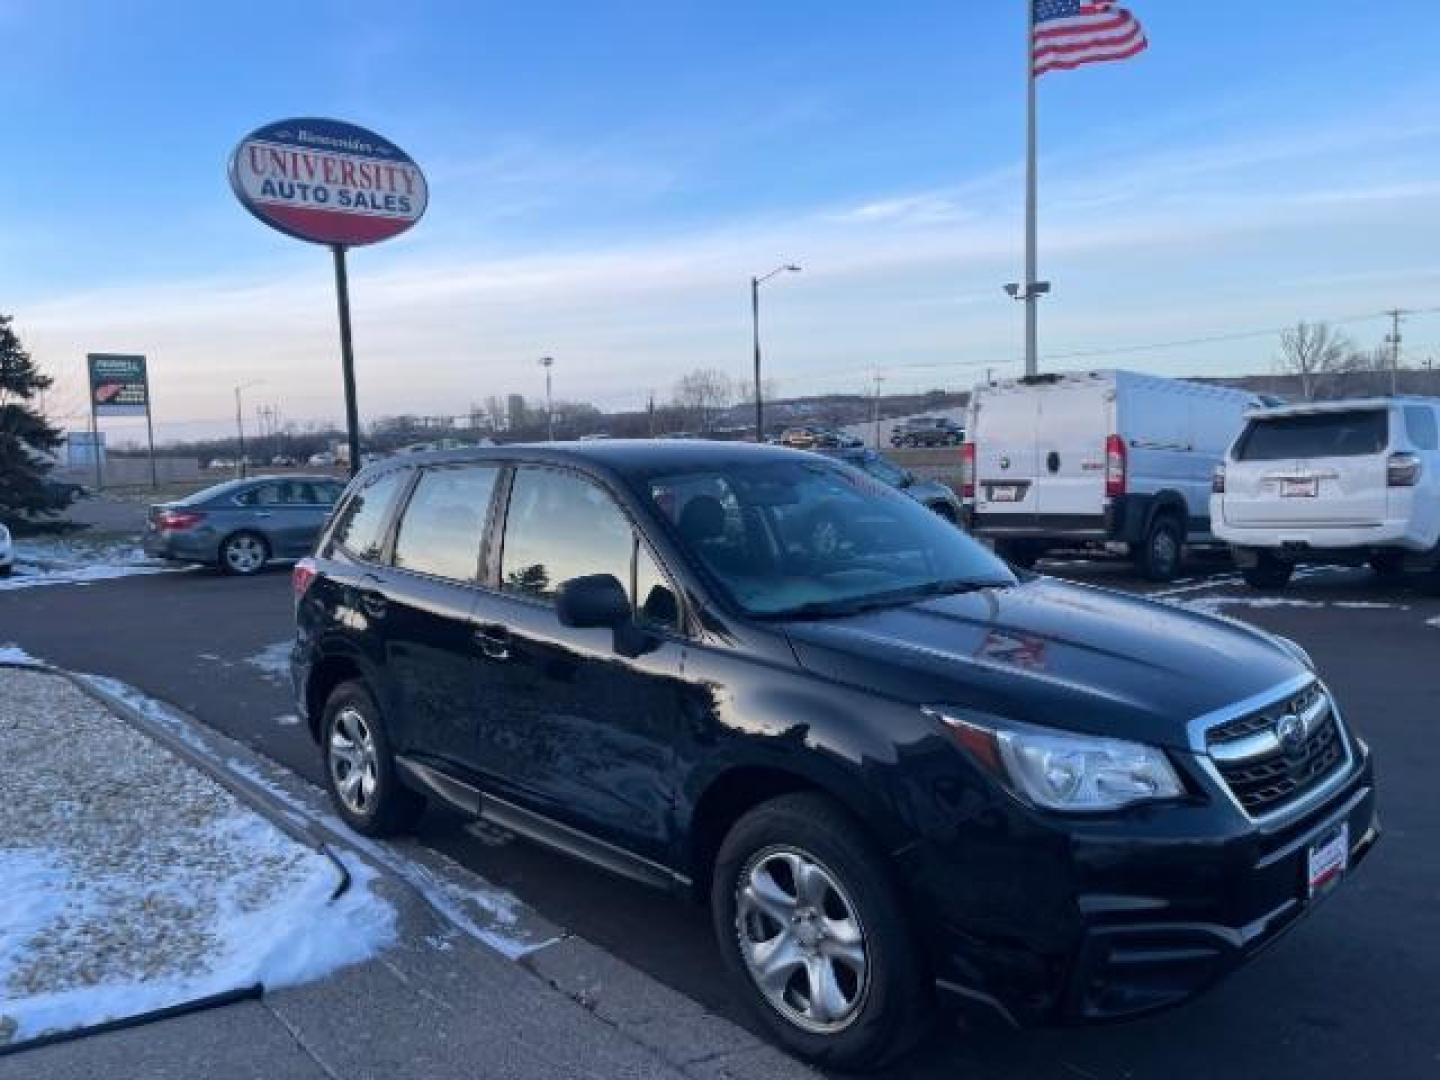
{"points": [[899, 771]]}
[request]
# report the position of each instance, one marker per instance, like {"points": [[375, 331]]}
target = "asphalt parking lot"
{"points": [[1352, 991]]}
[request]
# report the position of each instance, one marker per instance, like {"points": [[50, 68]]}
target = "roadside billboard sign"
{"points": [[333, 183], [328, 182], [118, 386]]}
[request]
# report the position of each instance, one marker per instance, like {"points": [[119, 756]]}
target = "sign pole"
{"points": [[347, 357], [95, 444], [1032, 297], [150, 434]]}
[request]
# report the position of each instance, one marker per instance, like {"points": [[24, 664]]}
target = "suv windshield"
{"points": [[796, 538], [1351, 433]]}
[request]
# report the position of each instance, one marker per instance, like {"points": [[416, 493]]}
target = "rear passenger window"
{"points": [[441, 529], [560, 526], [360, 532], [1420, 426]]}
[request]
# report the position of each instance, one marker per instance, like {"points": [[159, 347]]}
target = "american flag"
{"points": [[1068, 33]]}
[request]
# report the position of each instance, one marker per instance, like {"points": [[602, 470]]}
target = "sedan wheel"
{"points": [[244, 554], [802, 940]]}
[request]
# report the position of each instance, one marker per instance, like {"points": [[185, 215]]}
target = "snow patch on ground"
{"points": [[488, 914], [273, 662], [129, 881], [63, 561], [13, 654]]}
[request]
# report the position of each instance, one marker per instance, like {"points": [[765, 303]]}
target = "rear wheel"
{"points": [[1388, 565], [1268, 574], [360, 767], [813, 932], [1159, 556], [244, 553]]}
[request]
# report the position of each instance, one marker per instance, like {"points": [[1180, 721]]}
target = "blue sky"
{"points": [[605, 176]]}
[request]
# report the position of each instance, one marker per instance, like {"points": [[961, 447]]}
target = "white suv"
{"points": [[1333, 482]]}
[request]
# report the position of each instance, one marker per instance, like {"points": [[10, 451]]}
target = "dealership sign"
{"points": [[328, 182], [118, 386]]}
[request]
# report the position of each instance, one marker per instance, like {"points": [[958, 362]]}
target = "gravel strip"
{"points": [[119, 864]]}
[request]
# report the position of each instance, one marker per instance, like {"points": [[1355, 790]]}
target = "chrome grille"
{"points": [[1265, 772]]}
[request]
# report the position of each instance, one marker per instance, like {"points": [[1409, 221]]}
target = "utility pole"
{"points": [[1393, 340], [650, 412], [875, 409], [547, 362]]}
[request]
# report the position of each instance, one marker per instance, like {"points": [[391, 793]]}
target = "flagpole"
{"points": [[1031, 296]]}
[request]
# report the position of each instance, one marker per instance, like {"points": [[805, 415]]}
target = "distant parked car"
{"points": [[927, 431], [7, 552], [1343, 482], [282, 461], [817, 437], [937, 496], [323, 460], [240, 525]]}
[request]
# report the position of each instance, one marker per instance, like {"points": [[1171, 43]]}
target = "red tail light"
{"points": [[967, 470], [301, 577], [174, 520], [1114, 466]]}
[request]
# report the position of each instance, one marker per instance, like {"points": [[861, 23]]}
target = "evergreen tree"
{"points": [[26, 437]]}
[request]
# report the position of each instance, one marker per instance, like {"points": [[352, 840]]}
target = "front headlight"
{"points": [[1059, 770]]}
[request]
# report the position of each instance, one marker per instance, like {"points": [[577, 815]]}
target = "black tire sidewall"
{"points": [[897, 1005], [1150, 565], [396, 807], [1268, 574]]}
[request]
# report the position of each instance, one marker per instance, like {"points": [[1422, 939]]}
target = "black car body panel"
{"points": [[630, 748]]}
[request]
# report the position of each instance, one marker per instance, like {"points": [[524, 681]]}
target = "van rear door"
{"points": [[1005, 422], [1310, 469], [1073, 420]]}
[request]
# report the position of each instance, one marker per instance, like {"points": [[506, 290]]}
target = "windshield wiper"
{"points": [[908, 595]]}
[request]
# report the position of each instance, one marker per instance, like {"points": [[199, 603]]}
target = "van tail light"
{"points": [[1217, 480], [967, 470], [178, 520], [1402, 470], [301, 577], [1114, 466]]}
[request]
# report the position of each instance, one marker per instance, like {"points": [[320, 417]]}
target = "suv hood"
{"points": [[1047, 652]]}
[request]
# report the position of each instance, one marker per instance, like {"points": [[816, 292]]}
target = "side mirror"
{"points": [[592, 600]]}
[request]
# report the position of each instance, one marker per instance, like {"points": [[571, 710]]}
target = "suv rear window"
{"points": [[1352, 433]]}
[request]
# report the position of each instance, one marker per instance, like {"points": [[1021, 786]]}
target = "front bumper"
{"points": [[1095, 920]]}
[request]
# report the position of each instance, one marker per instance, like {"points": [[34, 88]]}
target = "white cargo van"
{"points": [[1097, 458], [1333, 482]]}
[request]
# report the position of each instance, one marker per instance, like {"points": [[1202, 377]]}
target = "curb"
{"points": [[660, 1020]]}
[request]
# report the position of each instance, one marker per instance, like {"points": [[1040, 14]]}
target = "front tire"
{"points": [[1389, 566], [244, 554], [812, 931], [1269, 574], [360, 767]]}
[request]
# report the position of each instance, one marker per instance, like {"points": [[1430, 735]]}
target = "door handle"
{"points": [[494, 642]]}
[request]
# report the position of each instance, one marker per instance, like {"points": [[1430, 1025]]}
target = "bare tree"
{"points": [[1315, 352], [702, 395], [745, 392], [1368, 372]]}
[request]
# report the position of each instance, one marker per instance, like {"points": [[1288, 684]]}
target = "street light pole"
{"points": [[240, 428], [755, 283], [547, 362], [876, 414]]}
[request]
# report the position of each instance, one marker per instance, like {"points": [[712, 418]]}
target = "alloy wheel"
{"points": [[354, 764], [802, 940]]}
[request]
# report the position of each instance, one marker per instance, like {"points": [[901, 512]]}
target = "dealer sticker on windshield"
{"points": [[1329, 857]]}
